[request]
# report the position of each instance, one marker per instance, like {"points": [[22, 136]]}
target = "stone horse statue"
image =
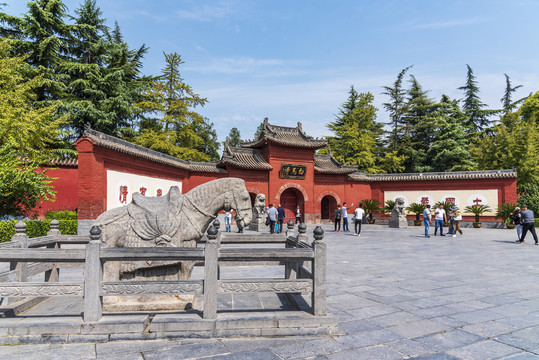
{"points": [[173, 220]]}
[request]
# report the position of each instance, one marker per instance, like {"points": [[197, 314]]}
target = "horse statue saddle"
{"points": [[156, 218]]}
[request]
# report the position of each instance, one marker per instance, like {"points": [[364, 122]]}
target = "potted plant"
{"points": [[388, 208], [447, 206], [417, 209], [370, 206], [477, 210], [504, 213]]}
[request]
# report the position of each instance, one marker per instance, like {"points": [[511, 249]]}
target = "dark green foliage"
{"points": [[388, 207], [396, 107], [259, 131], [504, 212], [477, 210], [507, 99], [528, 194], [357, 134], [36, 228], [61, 215], [416, 208], [234, 138], [477, 117]]}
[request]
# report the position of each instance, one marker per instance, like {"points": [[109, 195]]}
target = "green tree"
{"points": [[104, 82], [449, 150], [259, 131], [356, 132], [26, 135], [43, 34], [477, 117], [396, 107], [169, 122], [507, 99], [234, 138], [513, 143]]}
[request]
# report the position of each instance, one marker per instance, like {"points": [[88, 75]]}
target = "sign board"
{"points": [[292, 171]]}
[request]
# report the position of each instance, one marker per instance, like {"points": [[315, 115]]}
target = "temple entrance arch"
{"points": [[290, 199], [253, 197], [327, 207]]}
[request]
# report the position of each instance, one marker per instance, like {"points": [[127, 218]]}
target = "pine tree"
{"points": [[104, 82], [507, 99], [174, 127], [357, 134], [396, 107], [477, 117], [234, 138], [449, 150]]}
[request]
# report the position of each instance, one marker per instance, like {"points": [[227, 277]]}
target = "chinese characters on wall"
{"points": [[293, 171]]}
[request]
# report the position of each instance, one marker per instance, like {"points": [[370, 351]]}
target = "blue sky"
{"points": [[295, 60]]}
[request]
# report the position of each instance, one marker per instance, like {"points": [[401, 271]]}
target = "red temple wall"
{"points": [[65, 185]]}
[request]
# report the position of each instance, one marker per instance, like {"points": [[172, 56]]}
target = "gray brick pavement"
{"points": [[396, 294]]}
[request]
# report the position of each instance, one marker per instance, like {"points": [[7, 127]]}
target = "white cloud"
{"points": [[416, 25], [206, 13]]}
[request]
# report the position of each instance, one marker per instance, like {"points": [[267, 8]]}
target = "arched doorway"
{"points": [[290, 199], [327, 207], [253, 198]]}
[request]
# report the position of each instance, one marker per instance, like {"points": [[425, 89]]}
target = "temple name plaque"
{"points": [[292, 171]]}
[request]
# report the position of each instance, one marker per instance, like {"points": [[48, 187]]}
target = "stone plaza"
{"points": [[396, 295]]}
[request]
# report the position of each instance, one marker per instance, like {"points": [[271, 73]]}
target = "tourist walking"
{"points": [[280, 218], [457, 217], [439, 218], [228, 219], [517, 220], [298, 215], [337, 215], [344, 218], [358, 213], [426, 219], [272, 216], [451, 217], [527, 224]]}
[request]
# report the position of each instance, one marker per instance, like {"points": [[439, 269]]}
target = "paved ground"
{"points": [[397, 295]]}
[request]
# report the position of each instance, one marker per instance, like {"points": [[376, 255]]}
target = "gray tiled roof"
{"points": [[326, 164], [455, 175], [63, 162], [287, 136], [245, 158], [113, 143]]}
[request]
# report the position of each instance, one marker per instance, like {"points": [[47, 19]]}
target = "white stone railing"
{"points": [[298, 279]]}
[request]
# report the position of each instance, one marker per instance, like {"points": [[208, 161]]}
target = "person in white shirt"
{"points": [[439, 218], [228, 219], [358, 213], [344, 218], [426, 219], [298, 215]]}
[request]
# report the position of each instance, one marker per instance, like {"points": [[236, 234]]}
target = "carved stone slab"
{"points": [[120, 288], [254, 286], [41, 289]]}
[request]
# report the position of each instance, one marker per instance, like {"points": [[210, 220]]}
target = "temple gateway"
{"points": [[282, 164]]}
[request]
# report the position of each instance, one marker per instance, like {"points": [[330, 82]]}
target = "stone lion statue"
{"points": [[399, 207], [398, 217], [259, 208]]}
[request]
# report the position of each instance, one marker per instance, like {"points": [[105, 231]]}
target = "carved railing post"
{"points": [[302, 234], [53, 274], [211, 255], [290, 229], [93, 275], [216, 224], [290, 268], [319, 273], [21, 268]]}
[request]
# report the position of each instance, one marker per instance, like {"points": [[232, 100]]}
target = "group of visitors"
{"points": [[276, 218], [440, 216], [341, 213], [524, 222]]}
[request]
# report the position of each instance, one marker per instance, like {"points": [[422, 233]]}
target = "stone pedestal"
{"points": [[398, 221], [148, 303], [258, 224]]}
